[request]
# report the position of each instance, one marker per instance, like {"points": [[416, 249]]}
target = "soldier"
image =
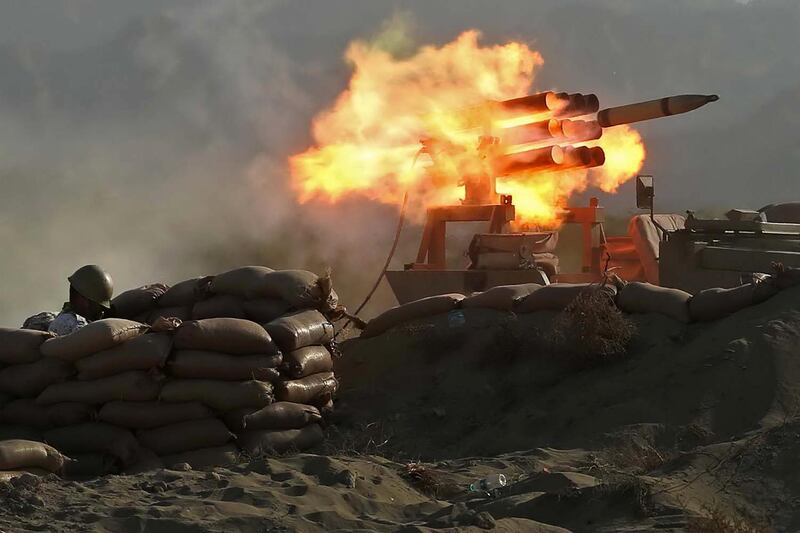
{"points": [[90, 291]]}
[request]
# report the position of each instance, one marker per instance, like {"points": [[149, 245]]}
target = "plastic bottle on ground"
{"points": [[489, 483]]}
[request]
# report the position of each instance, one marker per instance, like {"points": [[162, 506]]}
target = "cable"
{"points": [[400, 222], [397, 232]]}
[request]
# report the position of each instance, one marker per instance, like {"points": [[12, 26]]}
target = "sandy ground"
{"points": [[697, 429]]}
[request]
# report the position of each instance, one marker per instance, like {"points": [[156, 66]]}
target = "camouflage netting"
{"points": [[197, 373]]}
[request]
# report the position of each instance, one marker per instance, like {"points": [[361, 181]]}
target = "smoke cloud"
{"points": [[157, 147]]}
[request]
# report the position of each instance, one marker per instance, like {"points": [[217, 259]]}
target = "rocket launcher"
{"points": [[544, 131]]}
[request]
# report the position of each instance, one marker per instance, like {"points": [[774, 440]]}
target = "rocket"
{"points": [[663, 107]]}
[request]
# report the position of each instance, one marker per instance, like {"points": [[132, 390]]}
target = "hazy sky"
{"points": [[151, 135]]}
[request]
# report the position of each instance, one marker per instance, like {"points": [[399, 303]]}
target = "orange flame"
{"points": [[366, 142]]}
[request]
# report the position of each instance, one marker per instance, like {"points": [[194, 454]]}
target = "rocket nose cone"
{"points": [[712, 98]]}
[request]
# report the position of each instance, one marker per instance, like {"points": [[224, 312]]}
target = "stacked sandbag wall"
{"points": [[123, 395], [629, 297]]}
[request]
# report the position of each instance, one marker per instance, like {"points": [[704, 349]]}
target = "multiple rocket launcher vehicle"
{"points": [[538, 133]]}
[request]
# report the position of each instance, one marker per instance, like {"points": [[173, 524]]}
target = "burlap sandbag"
{"points": [[92, 338], [639, 297], [307, 390], [425, 307], [95, 437], [261, 442], [146, 461], [26, 381], [195, 364], [11, 475], [716, 303], [142, 353], [184, 436], [20, 346], [282, 415], [30, 454], [300, 329], [263, 310], [502, 297], [326, 409], [86, 465], [244, 282], [301, 289], [181, 313], [135, 385], [9, 432], [147, 415], [225, 335], [218, 307], [184, 294], [26, 412], [306, 361], [137, 301], [205, 457], [221, 396], [558, 296]]}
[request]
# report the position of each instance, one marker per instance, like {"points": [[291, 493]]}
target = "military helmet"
{"points": [[94, 284]]}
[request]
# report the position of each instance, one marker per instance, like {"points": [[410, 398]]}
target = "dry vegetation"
{"points": [[592, 330]]}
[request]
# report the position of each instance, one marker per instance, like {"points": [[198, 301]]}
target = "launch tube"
{"points": [[531, 161]]}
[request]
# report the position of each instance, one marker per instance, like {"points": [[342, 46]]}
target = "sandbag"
{"points": [[425, 307], [205, 457], [146, 461], [30, 454], [301, 289], [195, 364], [308, 389], [147, 415], [265, 310], [142, 353], [786, 278], [181, 313], [25, 381], [183, 294], [26, 412], [558, 296], [95, 437], [638, 297], [10, 475], [137, 301], [260, 442], [225, 335], [502, 297], [86, 465], [300, 329], [716, 303], [92, 338], [135, 385], [218, 307], [244, 282], [219, 395], [20, 346], [282, 415], [184, 436], [306, 361], [8, 432]]}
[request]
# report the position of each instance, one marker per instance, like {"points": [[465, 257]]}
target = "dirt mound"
{"points": [[439, 389]]}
